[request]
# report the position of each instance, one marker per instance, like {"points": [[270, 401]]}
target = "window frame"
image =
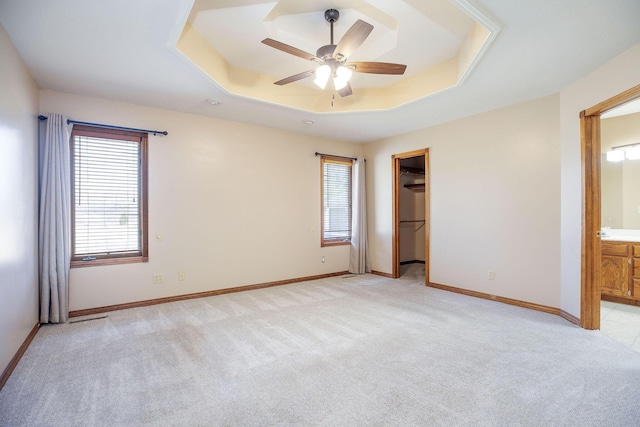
{"points": [[338, 160], [118, 258]]}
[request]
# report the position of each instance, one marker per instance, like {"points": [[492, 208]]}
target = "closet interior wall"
{"points": [[412, 210]]}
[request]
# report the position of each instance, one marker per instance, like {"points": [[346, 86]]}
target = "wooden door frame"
{"points": [[590, 147], [395, 247]]}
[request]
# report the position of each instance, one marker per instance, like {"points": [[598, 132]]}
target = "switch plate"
{"points": [[158, 278], [181, 276], [322, 259], [491, 275]]}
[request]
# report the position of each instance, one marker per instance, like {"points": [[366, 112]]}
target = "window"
{"points": [[336, 201], [109, 193]]}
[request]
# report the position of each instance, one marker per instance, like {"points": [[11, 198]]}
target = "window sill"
{"points": [[109, 261], [336, 243]]}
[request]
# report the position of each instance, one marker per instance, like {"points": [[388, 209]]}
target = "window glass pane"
{"points": [[336, 198], [106, 196]]}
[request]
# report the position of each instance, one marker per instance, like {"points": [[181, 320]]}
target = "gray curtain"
{"points": [[359, 261], [55, 219]]}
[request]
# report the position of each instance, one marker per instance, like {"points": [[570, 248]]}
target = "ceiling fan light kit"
{"points": [[332, 59], [343, 74], [323, 73]]}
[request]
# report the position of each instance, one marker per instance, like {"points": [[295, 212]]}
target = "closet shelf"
{"points": [[412, 171], [420, 222], [415, 187]]}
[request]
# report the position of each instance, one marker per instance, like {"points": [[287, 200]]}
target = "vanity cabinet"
{"points": [[621, 270]]}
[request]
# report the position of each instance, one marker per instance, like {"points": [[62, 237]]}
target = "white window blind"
{"points": [[336, 200], [107, 196]]}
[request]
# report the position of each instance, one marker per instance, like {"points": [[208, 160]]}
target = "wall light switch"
{"points": [[491, 275], [158, 278]]}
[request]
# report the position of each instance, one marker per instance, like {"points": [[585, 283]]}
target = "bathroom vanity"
{"points": [[620, 257]]}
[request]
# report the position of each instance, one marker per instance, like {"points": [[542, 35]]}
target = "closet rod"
{"points": [[100, 125], [338, 157]]}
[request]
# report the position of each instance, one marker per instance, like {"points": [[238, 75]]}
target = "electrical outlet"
{"points": [[158, 278], [181, 276], [491, 275]]}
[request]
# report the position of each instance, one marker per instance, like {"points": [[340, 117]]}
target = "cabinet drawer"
{"points": [[636, 268], [636, 288], [636, 251], [615, 249]]}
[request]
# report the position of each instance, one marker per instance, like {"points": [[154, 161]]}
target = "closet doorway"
{"points": [[410, 248]]}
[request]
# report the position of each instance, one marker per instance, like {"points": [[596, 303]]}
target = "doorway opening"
{"points": [[591, 144], [411, 224]]}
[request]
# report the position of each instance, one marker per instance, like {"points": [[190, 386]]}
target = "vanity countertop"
{"points": [[619, 235], [620, 239]]}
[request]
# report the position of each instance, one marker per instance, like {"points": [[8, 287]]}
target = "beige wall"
{"points": [[234, 205], [631, 195], [611, 199], [609, 79], [620, 130], [18, 204], [495, 200]]}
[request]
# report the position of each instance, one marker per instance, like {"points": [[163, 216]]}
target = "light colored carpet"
{"points": [[363, 350]]}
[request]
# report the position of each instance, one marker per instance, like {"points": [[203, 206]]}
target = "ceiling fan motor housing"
{"points": [[326, 51], [331, 15]]}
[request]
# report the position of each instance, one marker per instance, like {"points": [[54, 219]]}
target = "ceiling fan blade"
{"points": [[295, 78], [378, 67], [289, 49], [345, 91], [352, 39]]}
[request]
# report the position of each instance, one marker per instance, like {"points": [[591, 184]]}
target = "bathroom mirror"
{"points": [[620, 180]]}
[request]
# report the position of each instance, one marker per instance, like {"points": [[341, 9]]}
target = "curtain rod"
{"points": [[338, 157], [100, 125]]}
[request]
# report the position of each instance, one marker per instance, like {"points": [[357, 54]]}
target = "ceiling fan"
{"points": [[332, 59]]}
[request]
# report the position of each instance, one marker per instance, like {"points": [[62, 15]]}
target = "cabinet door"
{"points": [[615, 275]]}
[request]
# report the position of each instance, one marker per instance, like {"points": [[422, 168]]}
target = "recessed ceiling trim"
{"points": [[192, 47], [486, 24], [178, 28]]}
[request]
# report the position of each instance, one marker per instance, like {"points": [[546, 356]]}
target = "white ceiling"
{"points": [[120, 50]]}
